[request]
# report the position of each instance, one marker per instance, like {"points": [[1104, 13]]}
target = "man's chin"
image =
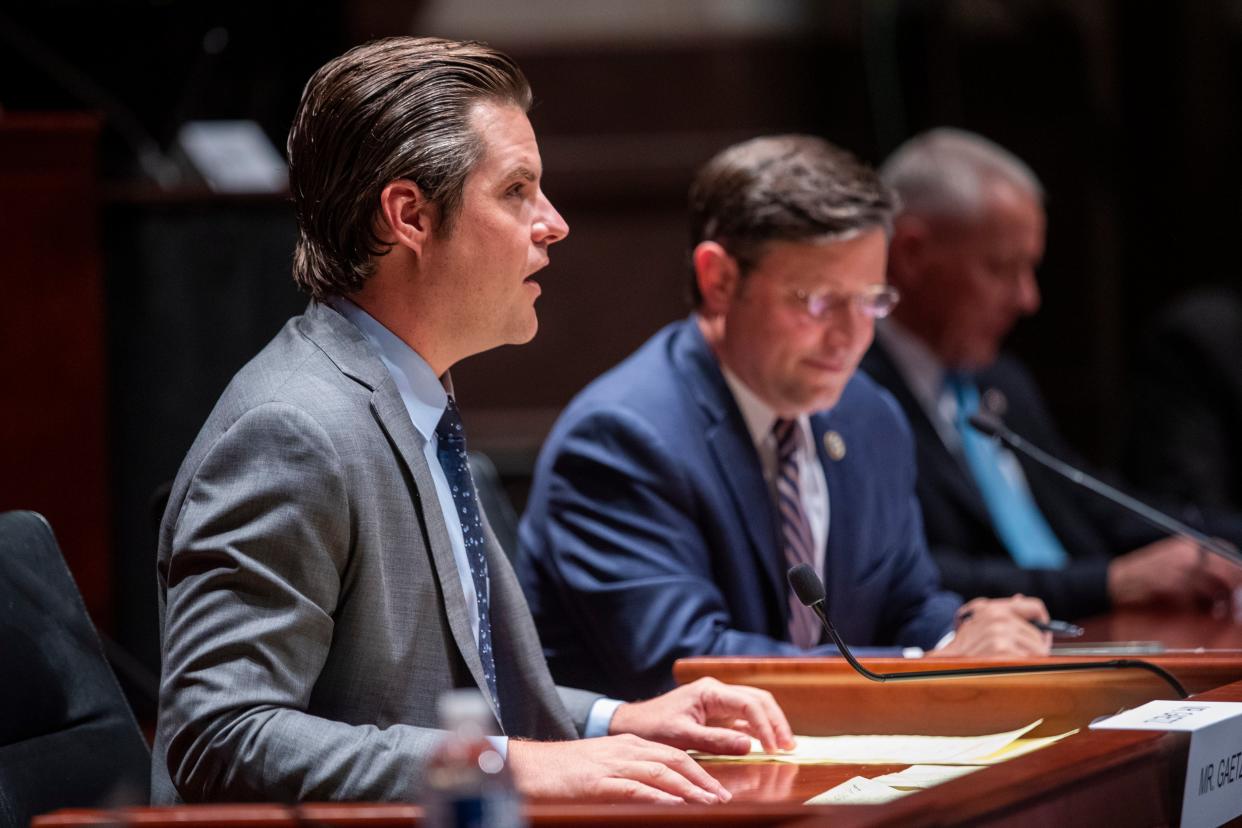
{"points": [[811, 401], [526, 331]]}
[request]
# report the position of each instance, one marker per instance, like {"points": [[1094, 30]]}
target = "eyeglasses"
{"points": [[875, 302]]}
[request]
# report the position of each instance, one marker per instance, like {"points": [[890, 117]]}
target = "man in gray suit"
{"points": [[324, 570]]}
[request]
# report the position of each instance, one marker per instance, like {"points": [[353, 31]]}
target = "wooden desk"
{"points": [[824, 696], [1172, 628], [1107, 777]]}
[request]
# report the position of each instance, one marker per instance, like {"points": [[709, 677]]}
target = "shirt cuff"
{"points": [[945, 640], [600, 718], [501, 743]]}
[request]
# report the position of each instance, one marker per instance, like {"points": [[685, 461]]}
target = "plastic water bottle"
{"points": [[468, 785]]}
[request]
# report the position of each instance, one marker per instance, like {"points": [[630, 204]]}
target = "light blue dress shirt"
{"points": [[425, 400]]}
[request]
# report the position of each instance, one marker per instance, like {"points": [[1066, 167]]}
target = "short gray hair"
{"points": [[943, 172]]}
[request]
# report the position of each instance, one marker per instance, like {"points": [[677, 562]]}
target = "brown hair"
{"points": [[390, 109], [783, 188]]}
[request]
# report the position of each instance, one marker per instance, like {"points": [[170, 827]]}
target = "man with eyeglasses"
{"points": [[676, 490], [964, 253]]}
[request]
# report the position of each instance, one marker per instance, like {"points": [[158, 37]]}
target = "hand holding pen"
{"points": [[1062, 628]]}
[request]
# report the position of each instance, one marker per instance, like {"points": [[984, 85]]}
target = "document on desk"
{"points": [[858, 791], [902, 750], [918, 777]]}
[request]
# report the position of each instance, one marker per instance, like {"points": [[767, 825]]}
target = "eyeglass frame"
{"points": [[862, 300]]}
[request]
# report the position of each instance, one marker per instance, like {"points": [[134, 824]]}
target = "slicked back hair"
{"points": [[783, 188], [390, 109]]}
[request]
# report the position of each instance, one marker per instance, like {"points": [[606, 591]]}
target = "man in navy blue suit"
{"points": [[677, 489]]}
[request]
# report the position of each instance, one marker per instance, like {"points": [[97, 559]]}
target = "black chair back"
{"points": [[67, 736]]}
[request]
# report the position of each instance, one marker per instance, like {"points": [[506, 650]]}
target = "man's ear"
{"points": [[717, 275], [405, 218], [908, 250]]}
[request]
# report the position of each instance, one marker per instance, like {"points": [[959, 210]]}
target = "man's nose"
{"points": [[1027, 298], [844, 323], [549, 227]]}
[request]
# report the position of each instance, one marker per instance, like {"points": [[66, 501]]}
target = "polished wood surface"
{"points": [[826, 696], [1195, 631], [1107, 777], [1090, 778]]}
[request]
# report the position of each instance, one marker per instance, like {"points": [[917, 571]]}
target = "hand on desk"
{"points": [[703, 715], [1172, 572], [611, 769], [710, 716], [999, 627]]}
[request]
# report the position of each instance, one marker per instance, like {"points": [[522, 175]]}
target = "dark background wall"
{"points": [[1126, 109]]}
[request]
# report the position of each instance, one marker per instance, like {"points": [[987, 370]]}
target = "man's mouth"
{"points": [[835, 366]]}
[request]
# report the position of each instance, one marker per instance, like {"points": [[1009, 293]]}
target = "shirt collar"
{"points": [[421, 390], [759, 417], [921, 369]]}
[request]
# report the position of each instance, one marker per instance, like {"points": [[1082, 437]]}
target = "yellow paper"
{"points": [[889, 750]]}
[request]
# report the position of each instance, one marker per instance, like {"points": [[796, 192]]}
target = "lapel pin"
{"points": [[834, 444], [994, 401]]}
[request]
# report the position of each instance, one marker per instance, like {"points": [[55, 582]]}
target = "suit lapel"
{"points": [[840, 552], [737, 462], [344, 345], [936, 462], [395, 420]]}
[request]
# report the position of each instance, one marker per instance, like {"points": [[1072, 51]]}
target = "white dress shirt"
{"points": [[812, 483], [924, 375]]}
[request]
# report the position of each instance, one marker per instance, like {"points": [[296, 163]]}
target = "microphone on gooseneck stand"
{"points": [[810, 591], [992, 426]]}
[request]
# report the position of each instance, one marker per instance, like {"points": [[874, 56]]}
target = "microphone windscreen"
{"points": [[986, 424], [806, 584]]}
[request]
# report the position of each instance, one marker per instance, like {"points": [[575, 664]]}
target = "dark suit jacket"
{"points": [[310, 607], [650, 533], [972, 558]]}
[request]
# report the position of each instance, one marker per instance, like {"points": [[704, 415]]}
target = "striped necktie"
{"points": [[795, 533]]}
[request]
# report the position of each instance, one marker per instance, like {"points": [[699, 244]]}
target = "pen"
{"points": [[1055, 627]]}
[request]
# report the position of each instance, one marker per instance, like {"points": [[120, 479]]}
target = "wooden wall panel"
{"points": [[53, 453]]}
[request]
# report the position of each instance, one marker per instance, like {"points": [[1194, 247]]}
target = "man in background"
{"points": [[676, 490], [325, 573], [965, 249]]}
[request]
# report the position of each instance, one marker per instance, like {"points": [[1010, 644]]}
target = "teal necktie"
{"points": [[1015, 515]]}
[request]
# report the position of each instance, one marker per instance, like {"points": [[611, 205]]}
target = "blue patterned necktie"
{"points": [[796, 539], [1015, 515], [451, 452]]}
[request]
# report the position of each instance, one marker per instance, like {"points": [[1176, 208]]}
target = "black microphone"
{"points": [[810, 591], [992, 426]]}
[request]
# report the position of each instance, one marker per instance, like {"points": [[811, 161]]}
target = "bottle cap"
{"points": [[465, 706]]}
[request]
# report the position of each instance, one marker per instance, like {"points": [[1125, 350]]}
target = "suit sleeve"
{"points": [[260, 546], [626, 552], [1078, 590]]}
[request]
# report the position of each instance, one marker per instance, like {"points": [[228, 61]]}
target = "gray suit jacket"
{"points": [[310, 608]]}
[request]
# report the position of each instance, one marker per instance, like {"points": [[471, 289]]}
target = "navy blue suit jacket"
{"points": [[650, 533]]}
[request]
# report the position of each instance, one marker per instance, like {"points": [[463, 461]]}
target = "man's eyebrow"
{"points": [[521, 171]]}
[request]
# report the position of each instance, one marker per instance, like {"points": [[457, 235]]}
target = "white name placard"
{"points": [[1213, 794]]}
